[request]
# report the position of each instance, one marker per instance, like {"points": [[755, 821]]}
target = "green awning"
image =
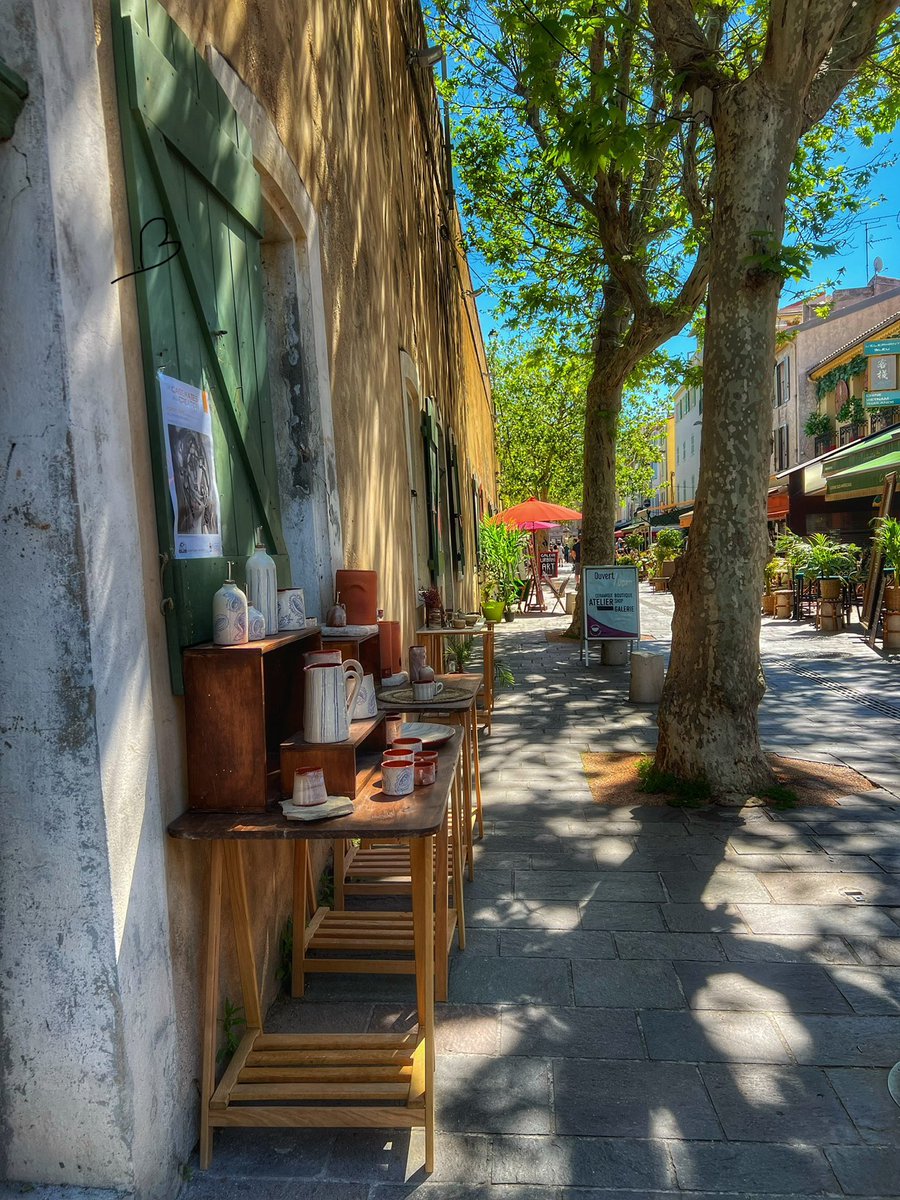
{"points": [[859, 452], [865, 478]]}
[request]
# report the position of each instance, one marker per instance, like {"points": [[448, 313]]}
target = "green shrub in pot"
{"points": [[887, 539]]}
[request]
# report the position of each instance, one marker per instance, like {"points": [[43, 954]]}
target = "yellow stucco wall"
{"points": [[333, 77]]}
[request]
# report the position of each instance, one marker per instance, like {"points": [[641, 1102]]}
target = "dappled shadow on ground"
{"points": [[651, 1000]]}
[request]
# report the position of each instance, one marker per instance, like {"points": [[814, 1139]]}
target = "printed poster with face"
{"points": [[611, 608], [192, 469]]}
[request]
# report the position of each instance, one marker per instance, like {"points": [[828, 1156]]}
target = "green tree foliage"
{"points": [[539, 391]]}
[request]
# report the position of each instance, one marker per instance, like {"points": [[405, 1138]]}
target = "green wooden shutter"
{"points": [[457, 539], [195, 209], [432, 488]]}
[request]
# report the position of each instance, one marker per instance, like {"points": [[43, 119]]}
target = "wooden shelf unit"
{"points": [[241, 702], [344, 763]]}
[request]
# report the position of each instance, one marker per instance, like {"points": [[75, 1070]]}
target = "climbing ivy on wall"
{"points": [[856, 366]]}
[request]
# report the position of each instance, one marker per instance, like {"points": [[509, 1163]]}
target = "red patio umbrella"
{"points": [[537, 510]]}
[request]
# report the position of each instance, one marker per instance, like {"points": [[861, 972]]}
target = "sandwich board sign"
{"points": [[611, 606]]}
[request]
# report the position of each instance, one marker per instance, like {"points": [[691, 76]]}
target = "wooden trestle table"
{"points": [[373, 1080], [433, 638]]}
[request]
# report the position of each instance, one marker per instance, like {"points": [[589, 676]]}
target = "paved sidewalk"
{"points": [[653, 1001]]}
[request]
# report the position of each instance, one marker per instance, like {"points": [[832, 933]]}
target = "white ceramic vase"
{"points": [[256, 624], [262, 584], [291, 609], [230, 627]]}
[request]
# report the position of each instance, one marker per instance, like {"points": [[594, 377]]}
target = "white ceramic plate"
{"points": [[429, 734]]}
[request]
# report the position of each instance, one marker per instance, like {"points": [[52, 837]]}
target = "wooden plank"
{"points": [[422, 860], [337, 1041], [313, 927], [360, 966], [222, 1094], [211, 996], [319, 1091], [335, 943], [328, 1058], [161, 97], [243, 935], [354, 1073], [299, 902], [321, 1117]]}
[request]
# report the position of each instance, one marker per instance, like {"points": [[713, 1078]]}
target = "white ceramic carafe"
{"points": [[262, 584], [230, 626], [328, 700]]}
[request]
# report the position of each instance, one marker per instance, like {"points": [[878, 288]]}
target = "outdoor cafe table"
{"points": [[432, 638], [373, 1080], [462, 712]]}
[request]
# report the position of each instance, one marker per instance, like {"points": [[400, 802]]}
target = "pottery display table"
{"points": [[433, 641], [372, 1080], [462, 711]]}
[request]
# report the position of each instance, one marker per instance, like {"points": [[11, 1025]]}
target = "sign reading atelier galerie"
{"points": [[611, 608], [192, 469]]}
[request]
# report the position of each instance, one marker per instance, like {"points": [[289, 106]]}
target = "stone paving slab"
{"points": [[744, 1037]]}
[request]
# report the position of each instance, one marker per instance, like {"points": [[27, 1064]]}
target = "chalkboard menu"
{"points": [[550, 563]]}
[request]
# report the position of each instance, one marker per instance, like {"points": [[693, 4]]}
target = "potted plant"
{"points": [[775, 569], [501, 552], [887, 539], [831, 562], [460, 653], [431, 598], [668, 545]]}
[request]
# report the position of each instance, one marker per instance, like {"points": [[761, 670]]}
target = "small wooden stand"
{"points": [[342, 762]]}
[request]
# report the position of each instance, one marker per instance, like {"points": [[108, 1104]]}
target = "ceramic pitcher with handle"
{"points": [[328, 701]]}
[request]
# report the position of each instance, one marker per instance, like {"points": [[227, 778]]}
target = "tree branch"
{"points": [[854, 43], [687, 46]]}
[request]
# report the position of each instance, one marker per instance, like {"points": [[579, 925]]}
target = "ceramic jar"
{"points": [[291, 609], [256, 624], [229, 614], [262, 584], [417, 663]]}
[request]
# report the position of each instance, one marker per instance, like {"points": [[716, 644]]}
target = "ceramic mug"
{"points": [[426, 768], [427, 690], [291, 609], [410, 744], [309, 787], [393, 729], [398, 777]]}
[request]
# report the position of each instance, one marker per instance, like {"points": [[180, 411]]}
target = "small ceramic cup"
{"points": [[428, 689], [410, 744], [309, 787], [393, 729], [472, 619], [291, 609], [459, 622], [426, 768], [393, 755], [398, 777]]}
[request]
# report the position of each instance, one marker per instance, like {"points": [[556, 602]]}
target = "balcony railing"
{"points": [[823, 443], [851, 433], [885, 419]]}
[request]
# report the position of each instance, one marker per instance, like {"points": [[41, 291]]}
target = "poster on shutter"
{"points": [[192, 469], [611, 607]]}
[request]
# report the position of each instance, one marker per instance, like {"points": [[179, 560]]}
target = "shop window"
{"points": [[419, 495], [782, 455], [431, 439], [455, 506]]}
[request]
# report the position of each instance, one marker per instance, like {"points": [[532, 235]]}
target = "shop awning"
{"points": [[777, 506], [859, 470], [865, 479], [686, 519]]}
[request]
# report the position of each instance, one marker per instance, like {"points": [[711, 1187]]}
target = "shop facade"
{"points": [[252, 201]]}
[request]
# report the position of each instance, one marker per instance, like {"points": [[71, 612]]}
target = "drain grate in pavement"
{"points": [[881, 706]]}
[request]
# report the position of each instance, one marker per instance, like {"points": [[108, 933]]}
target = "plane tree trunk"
{"points": [[708, 717]]}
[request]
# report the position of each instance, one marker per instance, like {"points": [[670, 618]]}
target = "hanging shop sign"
{"points": [[882, 372], [192, 469], [885, 346], [881, 399]]}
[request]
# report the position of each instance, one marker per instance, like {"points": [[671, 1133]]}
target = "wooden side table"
{"points": [[433, 641], [370, 1080]]}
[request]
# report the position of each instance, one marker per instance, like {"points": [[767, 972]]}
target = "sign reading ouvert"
{"points": [[611, 605]]}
